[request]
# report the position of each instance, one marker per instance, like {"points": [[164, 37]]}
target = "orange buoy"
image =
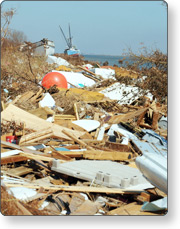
{"points": [[54, 78]]}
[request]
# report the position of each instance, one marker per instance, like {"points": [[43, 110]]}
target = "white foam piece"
{"points": [[47, 101], [22, 193], [76, 79], [86, 124], [10, 153]]}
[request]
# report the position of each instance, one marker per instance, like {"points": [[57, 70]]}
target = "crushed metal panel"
{"points": [[154, 168], [105, 173], [146, 147], [163, 123], [153, 137]]}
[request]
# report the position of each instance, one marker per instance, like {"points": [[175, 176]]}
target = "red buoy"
{"points": [[54, 78]]}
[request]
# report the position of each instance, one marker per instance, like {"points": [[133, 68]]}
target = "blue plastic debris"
{"points": [[61, 149], [5, 90], [154, 206], [81, 85]]}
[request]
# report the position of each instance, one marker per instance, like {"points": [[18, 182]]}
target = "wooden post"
{"points": [[76, 111]]}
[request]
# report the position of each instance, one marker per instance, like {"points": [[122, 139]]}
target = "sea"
{"points": [[112, 60]]}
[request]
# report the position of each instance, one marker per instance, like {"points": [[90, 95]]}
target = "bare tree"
{"points": [[17, 37], [6, 17]]}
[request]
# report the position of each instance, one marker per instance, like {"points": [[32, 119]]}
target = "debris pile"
{"points": [[97, 147]]}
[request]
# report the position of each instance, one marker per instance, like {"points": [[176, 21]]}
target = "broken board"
{"points": [[13, 113]]}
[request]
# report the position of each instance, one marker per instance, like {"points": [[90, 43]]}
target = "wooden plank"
{"points": [[57, 155], [22, 209], [93, 141], [92, 73], [107, 155], [77, 140], [91, 77], [36, 136], [130, 209], [96, 133], [117, 146], [141, 117], [125, 117], [50, 135], [17, 147], [19, 171], [28, 153], [13, 113], [75, 154], [72, 147], [36, 157], [64, 117], [2, 105], [72, 188], [96, 116], [16, 99], [145, 125], [73, 126], [143, 197], [33, 99], [86, 136], [155, 120], [76, 111], [10, 145], [61, 156], [12, 159], [26, 96]]}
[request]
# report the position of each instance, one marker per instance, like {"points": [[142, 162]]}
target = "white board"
{"points": [[86, 124]]}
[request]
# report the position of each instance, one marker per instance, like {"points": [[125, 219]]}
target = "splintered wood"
{"points": [[34, 123], [42, 146]]}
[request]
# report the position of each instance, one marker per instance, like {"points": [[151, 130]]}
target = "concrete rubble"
{"points": [[97, 147]]}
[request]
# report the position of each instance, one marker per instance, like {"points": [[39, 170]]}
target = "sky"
{"points": [[97, 27]]}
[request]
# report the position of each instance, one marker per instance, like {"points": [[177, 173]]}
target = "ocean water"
{"points": [[114, 60], [103, 58]]}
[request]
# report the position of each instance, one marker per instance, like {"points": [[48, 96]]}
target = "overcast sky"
{"points": [[98, 27]]}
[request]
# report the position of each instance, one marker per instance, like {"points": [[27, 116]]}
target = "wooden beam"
{"points": [[77, 140], [141, 117], [19, 171], [75, 188], [91, 77], [12, 159], [107, 155], [64, 117], [26, 96], [76, 111], [117, 146], [98, 77], [75, 154], [155, 120], [24, 149], [36, 157], [125, 117], [33, 99], [2, 105], [61, 156], [36, 136]]}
